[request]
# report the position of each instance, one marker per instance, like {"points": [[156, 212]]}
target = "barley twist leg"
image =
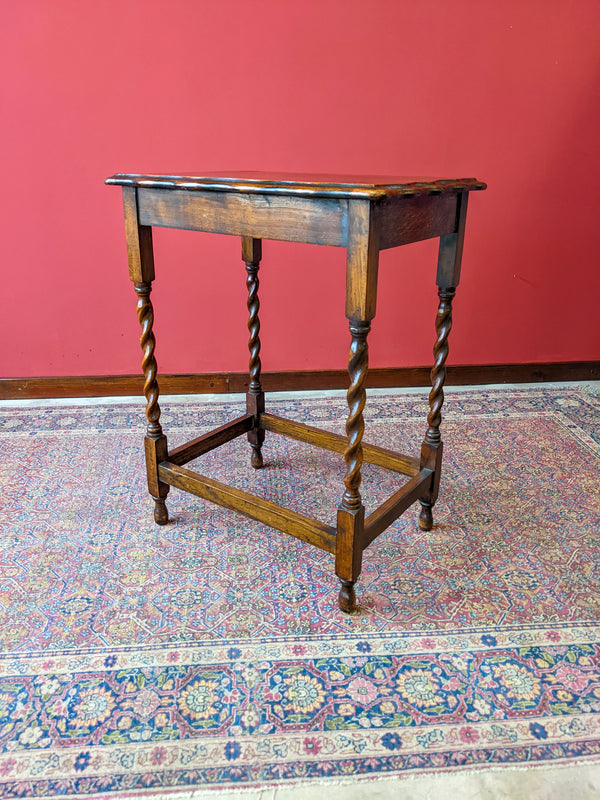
{"points": [[155, 441], [432, 446], [255, 403], [355, 426], [145, 315], [351, 512]]}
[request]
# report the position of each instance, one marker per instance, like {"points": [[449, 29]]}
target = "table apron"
{"points": [[403, 220], [316, 220], [291, 219]]}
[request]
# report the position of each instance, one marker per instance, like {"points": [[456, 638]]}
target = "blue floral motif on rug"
{"points": [[211, 652]]}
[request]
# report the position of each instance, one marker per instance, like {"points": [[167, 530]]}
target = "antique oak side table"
{"points": [[362, 214]]}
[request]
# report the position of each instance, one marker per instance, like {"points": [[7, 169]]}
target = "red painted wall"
{"points": [[506, 92]]}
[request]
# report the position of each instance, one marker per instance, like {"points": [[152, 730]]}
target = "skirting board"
{"points": [[226, 382]]}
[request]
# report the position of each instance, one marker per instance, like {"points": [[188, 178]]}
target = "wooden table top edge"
{"points": [[340, 186]]}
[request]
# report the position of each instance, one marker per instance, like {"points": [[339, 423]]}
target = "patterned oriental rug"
{"points": [[211, 652]]}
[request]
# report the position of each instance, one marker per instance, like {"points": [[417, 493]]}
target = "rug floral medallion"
{"points": [[211, 652]]}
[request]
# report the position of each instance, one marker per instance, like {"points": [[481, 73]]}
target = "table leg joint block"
{"points": [[348, 553], [255, 405], [431, 458], [155, 448], [155, 451]]}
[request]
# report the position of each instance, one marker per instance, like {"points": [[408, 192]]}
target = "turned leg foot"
{"points": [[256, 458], [426, 516], [347, 597], [161, 515]]}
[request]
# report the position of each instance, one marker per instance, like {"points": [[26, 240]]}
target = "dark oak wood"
{"points": [[348, 553], [285, 218], [363, 214], [141, 272], [139, 241], [370, 187], [294, 380], [432, 449], [403, 220], [355, 426], [351, 512], [283, 519], [396, 505], [338, 444], [255, 397], [209, 441], [451, 247], [362, 262]]}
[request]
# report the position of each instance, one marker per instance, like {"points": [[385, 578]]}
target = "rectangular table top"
{"points": [[350, 186]]}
